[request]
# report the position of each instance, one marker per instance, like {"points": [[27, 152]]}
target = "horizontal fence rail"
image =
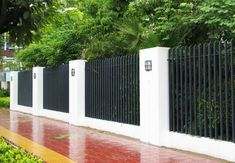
{"points": [[56, 88], [25, 91], [202, 90], [112, 89]]}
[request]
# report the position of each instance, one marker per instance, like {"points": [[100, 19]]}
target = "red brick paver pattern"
{"points": [[85, 145]]}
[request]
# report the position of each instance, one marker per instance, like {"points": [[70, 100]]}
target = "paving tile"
{"points": [[91, 146]]}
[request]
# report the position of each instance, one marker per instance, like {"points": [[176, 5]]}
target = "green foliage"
{"points": [[4, 92], [22, 18], [59, 43], [96, 29], [5, 102], [9, 154], [11, 66]]}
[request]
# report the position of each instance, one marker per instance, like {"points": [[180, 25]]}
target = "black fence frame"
{"points": [[112, 89], [25, 90], [201, 79], [56, 88]]}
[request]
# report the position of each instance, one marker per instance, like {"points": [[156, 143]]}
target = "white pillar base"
{"points": [[37, 90], [77, 92], [154, 94], [14, 90]]}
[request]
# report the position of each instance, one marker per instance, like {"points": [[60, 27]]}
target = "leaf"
{"points": [[26, 15]]}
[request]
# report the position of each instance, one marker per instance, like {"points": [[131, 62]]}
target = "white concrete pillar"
{"points": [[37, 90], [154, 92], [14, 90], [77, 92]]}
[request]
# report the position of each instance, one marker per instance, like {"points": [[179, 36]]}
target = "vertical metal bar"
{"points": [[226, 89], [220, 91], [185, 91], [112, 89], [94, 74], [232, 92], [177, 89], [104, 77], [121, 84], [134, 110], [100, 89], [86, 95], [190, 89], [98, 110], [127, 90], [137, 89], [90, 70], [90, 93], [123, 110], [87, 104], [181, 91], [134, 71], [101, 67], [131, 92], [199, 90], [118, 89], [109, 82], [91, 85], [173, 89], [115, 92], [126, 87], [209, 84], [106, 89], [215, 88], [195, 89], [120, 109], [170, 90], [112, 74], [205, 87]]}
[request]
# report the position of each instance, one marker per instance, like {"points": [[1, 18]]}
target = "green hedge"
{"points": [[4, 92], [5, 102], [9, 154]]}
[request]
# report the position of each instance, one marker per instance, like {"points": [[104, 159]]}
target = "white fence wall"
{"points": [[154, 107]]}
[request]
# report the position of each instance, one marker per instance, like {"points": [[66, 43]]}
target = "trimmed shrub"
{"points": [[5, 102], [9, 154], [4, 92]]}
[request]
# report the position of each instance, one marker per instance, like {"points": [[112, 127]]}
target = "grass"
{"points": [[5, 102], [12, 154]]}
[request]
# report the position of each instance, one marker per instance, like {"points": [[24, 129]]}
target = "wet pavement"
{"points": [[91, 146]]}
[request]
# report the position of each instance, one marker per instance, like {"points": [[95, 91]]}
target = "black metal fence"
{"points": [[56, 88], [112, 89], [25, 91], [202, 90]]}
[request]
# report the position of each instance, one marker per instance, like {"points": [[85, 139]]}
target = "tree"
{"points": [[97, 29], [60, 42], [22, 18]]}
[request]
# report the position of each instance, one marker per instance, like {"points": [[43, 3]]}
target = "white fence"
{"points": [[154, 107]]}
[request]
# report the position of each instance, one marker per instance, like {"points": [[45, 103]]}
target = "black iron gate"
{"points": [[56, 88], [25, 92], [112, 89]]}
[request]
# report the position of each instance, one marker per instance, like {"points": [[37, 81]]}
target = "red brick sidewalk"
{"points": [[85, 145]]}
